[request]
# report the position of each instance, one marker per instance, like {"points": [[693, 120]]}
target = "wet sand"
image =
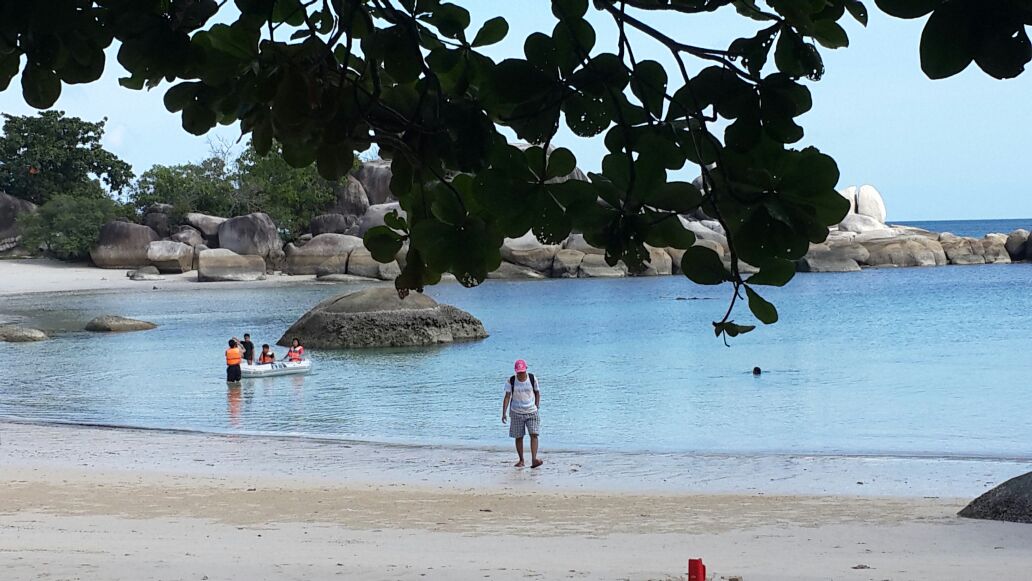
{"points": [[127, 504]]}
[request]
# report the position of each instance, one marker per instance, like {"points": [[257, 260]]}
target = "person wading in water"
{"points": [[522, 399]]}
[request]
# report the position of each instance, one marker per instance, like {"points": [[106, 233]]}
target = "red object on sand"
{"points": [[696, 570]]}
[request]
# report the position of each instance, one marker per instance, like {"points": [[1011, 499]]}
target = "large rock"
{"points": [[833, 258], [702, 232], [859, 224], [352, 199], [361, 263], [219, 265], [869, 203], [911, 250], [1016, 244], [333, 265], [171, 257], [334, 224], [307, 259], [117, 324], [527, 251], [375, 177], [1010, 501], [578, 243], [594, 266], [660, 263], [994, 248], [567, 263], [375, 214], [158, 221], [376, 317], [10, 208], [850, 195], [962, 250], [20, 334], [510, 271], [207, 225], [146, 274], [188, 235], [251, 235], [122, 245]]}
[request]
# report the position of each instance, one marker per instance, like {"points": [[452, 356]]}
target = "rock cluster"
{"points": [[376, 317]]}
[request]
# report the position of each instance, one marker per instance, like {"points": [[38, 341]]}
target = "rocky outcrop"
{"points": [[188, 235], [207, 225], [376, 317], [220, 265], [869, 202], [962, 250], [594, 266], [510, 271], [527, 251], [1016, 244], [1010, 501], [994, 248], [860, 223], [117, 324], [567, 263], [352, 199], [334, 224], [660, 263], [577, 242], [170, 257], [850, 195], [308, 258], [907, 250], [10, 208], [20, 334], [122, 245], [375, 177], [159, 222], [833, 257], [361, 263], [375, 214], [250, 235]]}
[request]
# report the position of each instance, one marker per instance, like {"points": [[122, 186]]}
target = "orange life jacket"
{"points": [[263, 358], [233, 356], [295, 354]]}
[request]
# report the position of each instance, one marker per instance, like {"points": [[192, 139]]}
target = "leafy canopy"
{"points": [[326, 78], [49, 154], [66, 227]]}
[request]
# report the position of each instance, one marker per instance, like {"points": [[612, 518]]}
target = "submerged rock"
{"points": [[117, 324], [376, 317], [1010, 501], [20, 334]]}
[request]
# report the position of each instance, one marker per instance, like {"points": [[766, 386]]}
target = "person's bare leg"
{"points": [[519, 450], [534, 462]]}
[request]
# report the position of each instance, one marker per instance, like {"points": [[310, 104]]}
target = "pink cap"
{"points": [[521, 366]]}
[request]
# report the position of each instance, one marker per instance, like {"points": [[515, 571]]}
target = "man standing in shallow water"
{"points": [[522, 398]]}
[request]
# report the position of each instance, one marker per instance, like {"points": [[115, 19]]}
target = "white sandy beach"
{"points": [[88, 503]]}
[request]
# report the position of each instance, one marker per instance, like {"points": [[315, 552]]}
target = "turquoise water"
{"points": [[912, 362], [973, 228]]}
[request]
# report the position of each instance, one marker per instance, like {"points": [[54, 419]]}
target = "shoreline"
{"points": [[80, 502]]}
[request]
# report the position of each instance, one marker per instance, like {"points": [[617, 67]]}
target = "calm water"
{"points": [[973, 228], [899, 362]]}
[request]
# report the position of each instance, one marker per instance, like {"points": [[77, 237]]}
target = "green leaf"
{"points": [[946, 44], [395, 220], [648, 83], [383, 243], [561, 163], [585, 115], [761, 308], [9, 65], [40, 86], [494, 30], [451, 19], [908, 8], [703, 266], [774, 273], [447, 207], [731, 329], [680, 197], [334, 161], [857, 10], [569, 9], [830, 34], [667, 231], [180, 95], [198, 119]]}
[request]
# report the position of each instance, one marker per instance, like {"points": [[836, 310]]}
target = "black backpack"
{"points": [[512, 382]]}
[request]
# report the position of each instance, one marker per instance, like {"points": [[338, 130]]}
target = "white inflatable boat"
{"points": [[275, 369]]}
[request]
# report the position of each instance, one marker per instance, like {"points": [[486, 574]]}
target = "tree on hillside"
{"points": [[328, 78], [206, 186], [47, 155]]}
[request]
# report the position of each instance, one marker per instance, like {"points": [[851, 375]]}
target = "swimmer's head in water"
{"points": [[756, 371]]}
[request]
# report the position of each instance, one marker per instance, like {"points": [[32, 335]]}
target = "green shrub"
{"points": [[67, 226]]}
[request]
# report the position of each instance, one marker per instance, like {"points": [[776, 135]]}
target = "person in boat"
{"points": [[266, 356], [248, 349], [233, 359], [296, 352], [522, 400]]}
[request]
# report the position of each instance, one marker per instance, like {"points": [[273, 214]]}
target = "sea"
{"points": [[914, 362]]}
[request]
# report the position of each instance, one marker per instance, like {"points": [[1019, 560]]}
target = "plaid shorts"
{"points": [[521, 423]]}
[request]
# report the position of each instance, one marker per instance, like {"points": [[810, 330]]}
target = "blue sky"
{"points": [[932, 148]]}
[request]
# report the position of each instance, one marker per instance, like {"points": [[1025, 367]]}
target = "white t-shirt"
{"points": [[522, 401]]}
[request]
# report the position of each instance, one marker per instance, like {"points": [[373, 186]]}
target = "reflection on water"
{"points": [[910, 361]]}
